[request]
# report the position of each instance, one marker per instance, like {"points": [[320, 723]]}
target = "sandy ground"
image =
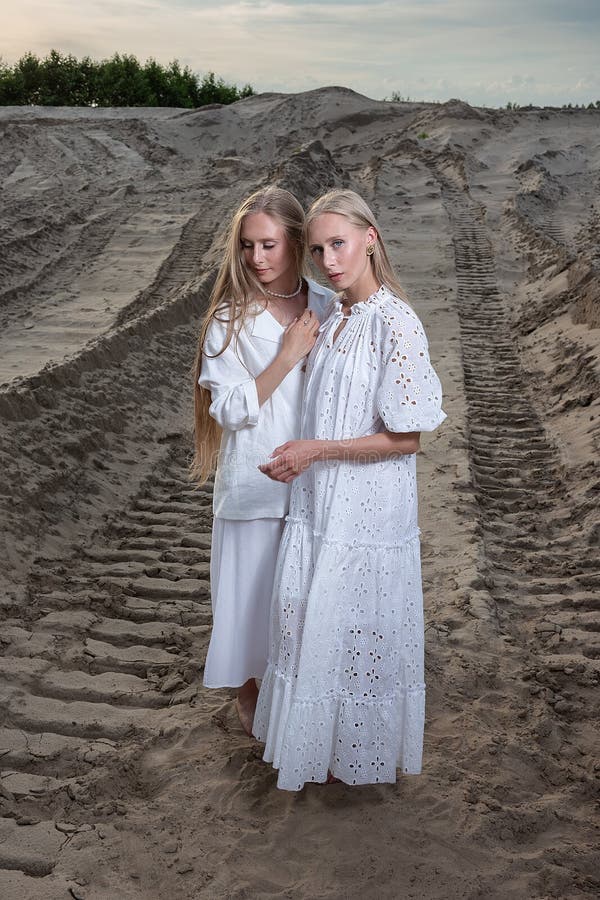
{"points": [[121, 777]]}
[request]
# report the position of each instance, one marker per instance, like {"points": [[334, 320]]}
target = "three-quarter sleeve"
{"points": [[233, 389], [409, 396]]}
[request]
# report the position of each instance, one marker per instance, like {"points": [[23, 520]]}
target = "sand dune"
{"points": [[120, 775]]}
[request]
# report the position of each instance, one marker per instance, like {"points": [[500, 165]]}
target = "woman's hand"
{"points": [[298, 340], [293, 457], [300, 336], [290, 459]]}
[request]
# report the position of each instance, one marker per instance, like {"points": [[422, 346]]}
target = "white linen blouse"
{"points": [[250, 431]]}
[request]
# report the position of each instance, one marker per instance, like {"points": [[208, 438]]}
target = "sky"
{"points": [[487, 52]]}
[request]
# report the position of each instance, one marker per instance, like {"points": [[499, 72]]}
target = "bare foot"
{"points": [[246, 704]]}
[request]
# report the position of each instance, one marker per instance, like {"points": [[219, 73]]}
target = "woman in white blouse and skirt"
{"points": [[261, 322], [343, 697]]}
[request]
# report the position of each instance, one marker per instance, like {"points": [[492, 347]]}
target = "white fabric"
{"points": [[242, 566], [250, 432], [344, 689]]}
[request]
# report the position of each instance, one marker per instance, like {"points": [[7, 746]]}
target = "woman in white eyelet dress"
{"points": [[343, 696]]}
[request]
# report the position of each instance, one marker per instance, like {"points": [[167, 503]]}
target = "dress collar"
{"points": [[363, 306]]}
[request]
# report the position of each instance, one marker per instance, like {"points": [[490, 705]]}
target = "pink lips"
{"points": [[335, 276]]}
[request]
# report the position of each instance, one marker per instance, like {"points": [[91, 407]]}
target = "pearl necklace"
{"points": [[286, 296]]}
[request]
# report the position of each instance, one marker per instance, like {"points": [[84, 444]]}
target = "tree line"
{"points": [[397, 97], [63, 80], [592, 105]]}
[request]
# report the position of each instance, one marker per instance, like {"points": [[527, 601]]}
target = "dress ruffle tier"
{"points": [[345, 691]]}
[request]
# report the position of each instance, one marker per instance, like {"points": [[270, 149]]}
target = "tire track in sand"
{"points": [[539, 569], [112, 641]]}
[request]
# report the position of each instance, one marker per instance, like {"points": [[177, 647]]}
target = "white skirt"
{"points": [[242, 570]]}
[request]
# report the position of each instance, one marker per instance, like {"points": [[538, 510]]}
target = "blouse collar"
{"points": [[362, 306], [266, 326]]}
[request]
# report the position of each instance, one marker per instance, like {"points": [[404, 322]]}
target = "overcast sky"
{"points": [[486, 52]]}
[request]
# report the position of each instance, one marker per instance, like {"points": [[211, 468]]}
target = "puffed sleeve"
{"points": [[233, 389], [409, 396]]}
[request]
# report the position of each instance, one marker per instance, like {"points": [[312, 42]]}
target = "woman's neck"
{"points": [[361, 290]]}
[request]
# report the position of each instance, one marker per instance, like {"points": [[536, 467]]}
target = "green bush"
{"points": [[63, 80]]}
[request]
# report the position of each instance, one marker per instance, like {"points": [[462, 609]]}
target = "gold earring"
{"points": [[370, 249]]}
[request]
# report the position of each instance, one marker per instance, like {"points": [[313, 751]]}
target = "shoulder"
{"points": [[221, 318], [220, 327], [215, 328], [320, 298], [319, 291], [390, 306], [395, 313]]}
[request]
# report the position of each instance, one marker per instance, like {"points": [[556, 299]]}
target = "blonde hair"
{"points": [[349, 204], [232, 301]]}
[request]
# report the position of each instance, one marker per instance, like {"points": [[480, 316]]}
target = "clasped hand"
{"points": [[290, 459]]}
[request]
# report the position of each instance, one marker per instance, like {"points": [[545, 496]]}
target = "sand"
{"points": [[120, 775]]}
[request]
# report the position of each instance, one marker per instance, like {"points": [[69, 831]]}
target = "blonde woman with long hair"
{"points": [[343, 697], [262, 320]]}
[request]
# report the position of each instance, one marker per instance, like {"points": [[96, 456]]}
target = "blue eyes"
{"points": [[335, 244]]}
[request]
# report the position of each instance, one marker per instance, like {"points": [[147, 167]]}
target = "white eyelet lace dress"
{"points": [[344, 687]]}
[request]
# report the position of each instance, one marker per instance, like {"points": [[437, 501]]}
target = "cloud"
{"points": [[485, 52]]}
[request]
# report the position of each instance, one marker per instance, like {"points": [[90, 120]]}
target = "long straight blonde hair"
{"points": [[232, 301], [351, 205]]}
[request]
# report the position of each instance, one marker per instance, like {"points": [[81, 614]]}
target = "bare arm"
{"points": [[293, 457], [273, 375]]}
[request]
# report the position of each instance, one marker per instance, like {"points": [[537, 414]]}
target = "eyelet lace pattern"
{"points": [[344, 689]]}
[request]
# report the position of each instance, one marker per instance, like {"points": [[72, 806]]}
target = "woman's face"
{"points": [[339, 249], [267, 251]]}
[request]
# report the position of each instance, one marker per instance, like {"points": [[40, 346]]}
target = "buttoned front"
{"points": [[250, 431]]}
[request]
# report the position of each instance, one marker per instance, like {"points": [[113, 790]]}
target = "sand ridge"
{"points": [[120, 775]]}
